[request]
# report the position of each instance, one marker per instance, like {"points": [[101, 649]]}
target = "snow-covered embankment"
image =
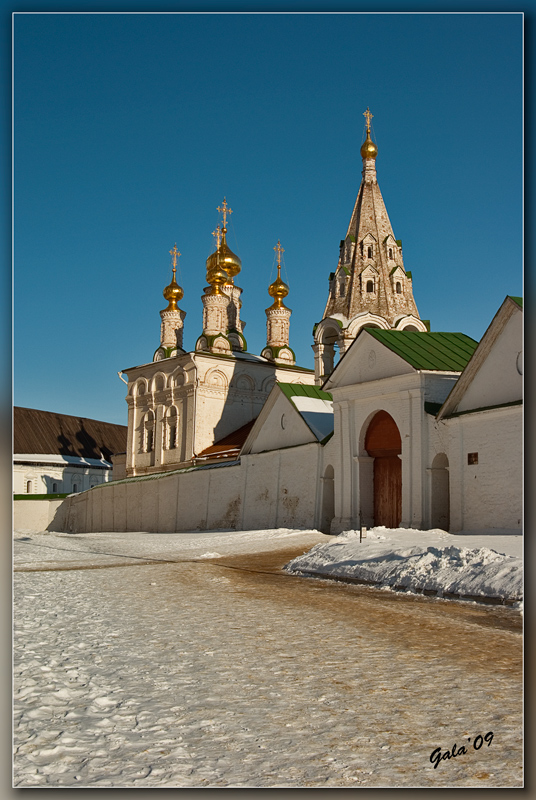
{"points": [[422, 561]]}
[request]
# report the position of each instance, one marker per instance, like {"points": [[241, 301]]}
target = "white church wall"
{"points": [[367, 360], [284, 427], [401, 396], [504, 360], [486, 494]]}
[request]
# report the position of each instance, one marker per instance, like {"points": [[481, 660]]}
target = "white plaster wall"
{"points": [[401, 396], [266, 490], [487, 494], [368, 360], [42, 477], [273, 436], [34, 515], [486, 389]]}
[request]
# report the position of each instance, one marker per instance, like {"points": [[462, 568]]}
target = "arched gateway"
{"points": [[384, 444]]}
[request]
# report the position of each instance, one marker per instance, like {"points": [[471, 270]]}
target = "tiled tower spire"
{"points": [[370, 285]]}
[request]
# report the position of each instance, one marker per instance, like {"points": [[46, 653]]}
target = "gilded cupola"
{"points": [[278, 289], [368, 148], [228, 260], [173, 292]]}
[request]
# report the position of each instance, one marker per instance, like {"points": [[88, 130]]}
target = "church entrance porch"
{"points": [[384, 444]]}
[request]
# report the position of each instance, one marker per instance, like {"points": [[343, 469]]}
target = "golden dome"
{"points": [[278, 290], [368, 148], [217, 277], [173, 293], [228, 260]]}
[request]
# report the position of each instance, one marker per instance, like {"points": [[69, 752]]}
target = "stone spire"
{"points": [[172, 325], [278, 320], [370, 285]]}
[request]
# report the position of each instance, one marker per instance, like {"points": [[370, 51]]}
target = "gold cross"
{"points": [[369, 116], [279, 250], [217, 234], [224, 209], [175, 253]]}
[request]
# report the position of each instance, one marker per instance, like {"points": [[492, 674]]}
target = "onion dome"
{"points": [[278, 289], [227, 259], [217, 276], [173, 292], [368, 148]]}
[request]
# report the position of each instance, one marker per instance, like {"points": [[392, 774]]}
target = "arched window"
{"points": [[75, 487], [341, 289], [398, 287], [171, 429], [370, 252], [54, 488], [390, 252], [28, 487], [370, 286], [149, 432]]}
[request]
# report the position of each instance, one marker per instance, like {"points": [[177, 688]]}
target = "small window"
{"points": [[398, 287], [370, 252], [341, 289], [149, 440], [172, 437], [370, 286], [390, 252], [472, 458], [54, 487], [28, 487], [75, 487]]}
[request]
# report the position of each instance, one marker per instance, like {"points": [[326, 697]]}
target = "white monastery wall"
{"points": [[266, 490], [34, 515], [487, 494]]}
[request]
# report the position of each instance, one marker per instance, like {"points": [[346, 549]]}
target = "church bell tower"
{"points": [[370, 286]]}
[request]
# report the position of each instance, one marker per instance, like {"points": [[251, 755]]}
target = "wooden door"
{"points": [[384, 443], [387, 491]]}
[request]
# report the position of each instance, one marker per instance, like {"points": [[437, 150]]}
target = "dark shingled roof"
{"points": [[61, 434]]}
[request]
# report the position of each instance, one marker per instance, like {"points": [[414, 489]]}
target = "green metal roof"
{"points": [[428, 350], [293, 389], [518, 300]]}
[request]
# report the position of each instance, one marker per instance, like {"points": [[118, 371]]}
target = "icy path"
{"points": [[207, 675]]}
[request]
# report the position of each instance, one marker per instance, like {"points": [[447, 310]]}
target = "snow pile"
{"points": [[417, 561]]}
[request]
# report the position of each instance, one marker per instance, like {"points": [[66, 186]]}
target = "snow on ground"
{"points": [[48, 549], [469, 565], [141, 662]]}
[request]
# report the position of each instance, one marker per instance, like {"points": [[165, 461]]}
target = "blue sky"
{"points": [[129, 129]]}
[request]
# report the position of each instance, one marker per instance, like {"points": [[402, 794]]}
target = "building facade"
{"points": [[410, 427]]}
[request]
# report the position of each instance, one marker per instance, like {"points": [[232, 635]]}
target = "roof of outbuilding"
{"points": [[40, 432], [303, 390], [314, 405], [230, 445], [428, 350]]}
